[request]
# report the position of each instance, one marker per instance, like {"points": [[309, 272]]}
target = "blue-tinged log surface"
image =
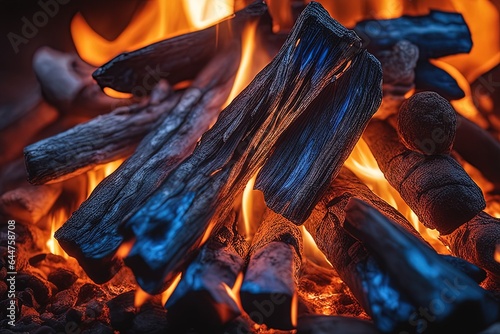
{"points": [[91, 233], [318, 52], [454, 302], [436, 35]]}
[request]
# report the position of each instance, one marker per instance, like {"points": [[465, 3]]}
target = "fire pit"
{"points": [[250, 167]]}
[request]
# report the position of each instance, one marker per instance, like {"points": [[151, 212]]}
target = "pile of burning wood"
{"points": [[168, 214]]}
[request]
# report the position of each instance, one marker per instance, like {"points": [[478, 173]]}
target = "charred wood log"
{"points": [[322, 324], [459, 306], [427, 124], [272, 273], [67, 84], [101, 140], [436, 187], [232, 151], [479, 148], [370, 282], [29, 203], [372, 286], [476, 241], [176, 59], [437, 34], [91, 233], [202, 296]]}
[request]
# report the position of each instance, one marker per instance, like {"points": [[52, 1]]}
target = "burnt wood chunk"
{"points": [[479, 148], [370, 283], [315, 55], [91, 233], [459, 306], [427, 123], [272, 273], [202, 298], [175, 59], [436, 35], [29, 203], [477, 241], [103, 139], [436, 187]]}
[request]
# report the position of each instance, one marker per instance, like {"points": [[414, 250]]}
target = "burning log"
{"points": [[437, 34], [476, 241], [176, 216], [204, 290], [458, 306], [370, 283], [29, 203], [176, 59], [436, 187], [268, 291], [67, 84], [91, 233], [478, 147], [427, 124], [321, 324], [103, 139]]}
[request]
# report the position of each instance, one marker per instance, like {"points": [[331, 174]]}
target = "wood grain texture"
{"points": [[436, 188], [173, 220]]}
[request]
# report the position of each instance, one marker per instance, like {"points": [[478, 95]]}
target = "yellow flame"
{"points": [[247, 203], [294, 311], [98, 174], [165, 295], [157, 20], [311, 250], [234, 292], [57, 218], [140, 297], [125, 249], [253, 59]]}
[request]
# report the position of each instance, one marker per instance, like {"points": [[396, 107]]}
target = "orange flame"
{"points": [[141, 297], [98, 174], [253, 59], [57, 218], [165, 295], [234, 292], [156, 21], [311, 250], [497, 253], [125, 249], [294, 311]]}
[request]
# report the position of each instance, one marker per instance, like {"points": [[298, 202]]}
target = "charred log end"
{"points": [[199, 310], [267, 293], [92, 266], [453, 206], [476, 241]]}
